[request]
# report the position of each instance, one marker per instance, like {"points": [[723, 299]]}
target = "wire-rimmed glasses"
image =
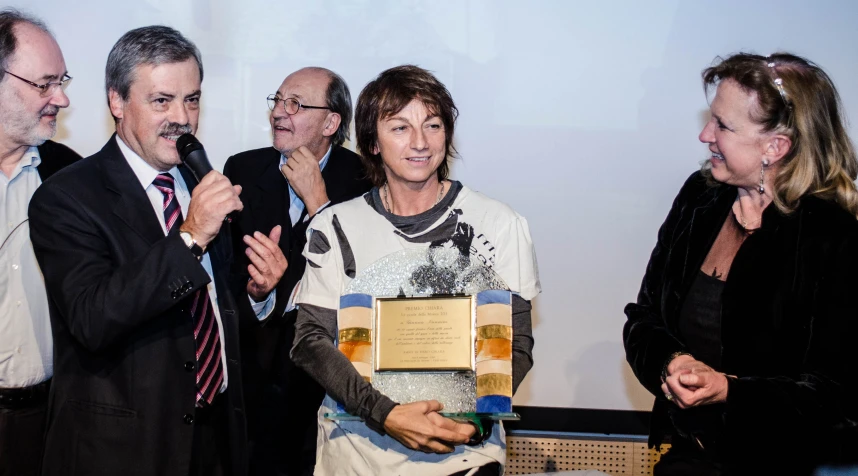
{"points": [[48, 88], [291, 105]]}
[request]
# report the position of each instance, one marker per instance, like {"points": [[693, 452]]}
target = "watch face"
{"points": [[187, 238]]}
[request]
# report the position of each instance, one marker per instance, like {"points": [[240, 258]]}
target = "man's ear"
{"points": [[116, 103], [332, 123]]}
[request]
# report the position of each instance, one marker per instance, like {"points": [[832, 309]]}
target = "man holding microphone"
{"points": [[147, 377]]}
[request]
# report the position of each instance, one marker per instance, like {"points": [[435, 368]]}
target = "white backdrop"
{"points": [[581, 115]]}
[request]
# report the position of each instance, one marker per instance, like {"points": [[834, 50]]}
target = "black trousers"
{"points": [[210, 449], [283, 430], [22, 435]]}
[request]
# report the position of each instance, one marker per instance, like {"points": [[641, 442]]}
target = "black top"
{"points": [[700, 319]]}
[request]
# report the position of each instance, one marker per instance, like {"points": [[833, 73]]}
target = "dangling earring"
{"points": [[762, 188]]}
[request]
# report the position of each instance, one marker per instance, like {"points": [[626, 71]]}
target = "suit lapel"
{"points": [[53, 159], [333, 177], [132, 204], [706, 222], [271, 205], [48, 166], [302, 216]]}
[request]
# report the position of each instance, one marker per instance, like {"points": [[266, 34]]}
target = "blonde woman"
{"points": [[744, 322]]}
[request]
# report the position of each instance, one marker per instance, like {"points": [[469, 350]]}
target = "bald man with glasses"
{"points": [[283, 187], [33, 78]]}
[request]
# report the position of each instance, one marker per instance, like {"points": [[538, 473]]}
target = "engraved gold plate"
{"points": [[424, 334]]}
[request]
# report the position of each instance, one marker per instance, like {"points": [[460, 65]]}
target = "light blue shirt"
{"points": [[26, 345]]}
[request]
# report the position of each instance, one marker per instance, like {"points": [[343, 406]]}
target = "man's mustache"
{"points": [[174, 129], [50, 111]]}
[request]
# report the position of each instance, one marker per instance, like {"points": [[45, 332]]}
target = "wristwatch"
{"points": [[192, 244]]}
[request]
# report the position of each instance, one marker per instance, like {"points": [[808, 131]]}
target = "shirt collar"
{"points": [[322, 163], [31, 157], [144, 172]]}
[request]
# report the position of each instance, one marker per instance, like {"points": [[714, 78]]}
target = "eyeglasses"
{"points": [[291, 105], [47, 88]]}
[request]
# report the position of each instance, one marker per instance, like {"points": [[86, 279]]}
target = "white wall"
{"points": [[582, 115]]}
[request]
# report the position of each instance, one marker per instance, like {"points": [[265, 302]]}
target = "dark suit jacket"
{"points": [[266, 346], [789, 318], [54, 157], [123, 392]]}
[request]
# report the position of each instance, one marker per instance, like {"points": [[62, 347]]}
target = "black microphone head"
{"points": [[187, 143]]}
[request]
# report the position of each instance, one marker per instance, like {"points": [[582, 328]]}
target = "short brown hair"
{"points": [[804, 106], [388, 94]]}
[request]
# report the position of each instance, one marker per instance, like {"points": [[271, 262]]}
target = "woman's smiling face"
{"points": [[737, 142], [412, 144]]}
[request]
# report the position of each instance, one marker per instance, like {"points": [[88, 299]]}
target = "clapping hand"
{"points": [[267, 263]]}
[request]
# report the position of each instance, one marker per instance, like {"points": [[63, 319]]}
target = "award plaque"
{"points": [[428, 324], [430, 334]]}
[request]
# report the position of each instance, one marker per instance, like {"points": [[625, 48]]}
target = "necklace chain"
{"points": [[390, 209], [744, 223]]}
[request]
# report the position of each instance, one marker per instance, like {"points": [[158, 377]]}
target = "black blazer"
{"points": [[266, 346], [54, 157], [266, 204], [123, 393], [788, 320]]}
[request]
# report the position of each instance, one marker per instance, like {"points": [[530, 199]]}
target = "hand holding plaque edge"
{"points": [[412, 425]]}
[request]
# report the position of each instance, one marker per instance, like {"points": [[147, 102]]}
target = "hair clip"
{"points": [[779, 83]]}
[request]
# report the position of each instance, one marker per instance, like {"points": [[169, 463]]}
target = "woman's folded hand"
{"points": [[690, 383]]}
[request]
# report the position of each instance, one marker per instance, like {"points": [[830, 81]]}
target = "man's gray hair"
{"points": [[339, 99], [149, 45], [9, 17]]}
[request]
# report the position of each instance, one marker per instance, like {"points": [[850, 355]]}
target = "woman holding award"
{"points": [[405, 120], [745, 323]]}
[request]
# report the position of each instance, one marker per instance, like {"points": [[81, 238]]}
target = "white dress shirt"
{"points": [[146, 175], [26, 345]]}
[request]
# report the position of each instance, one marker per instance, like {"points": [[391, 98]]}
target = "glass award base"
{"points": [[431, 324], [464, 416]]}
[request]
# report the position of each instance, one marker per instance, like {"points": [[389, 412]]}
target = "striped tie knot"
{"points": [[166, 184]]}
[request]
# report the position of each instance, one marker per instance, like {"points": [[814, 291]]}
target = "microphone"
{"points": [[193, 155]]}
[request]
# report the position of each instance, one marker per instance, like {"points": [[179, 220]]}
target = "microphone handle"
{"points": [[199, 165]]}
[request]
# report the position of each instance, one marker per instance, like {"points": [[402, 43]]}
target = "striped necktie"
{"points": [[206, 336]]}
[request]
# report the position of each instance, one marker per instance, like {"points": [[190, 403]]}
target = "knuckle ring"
{"points": [[668, 396]]}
